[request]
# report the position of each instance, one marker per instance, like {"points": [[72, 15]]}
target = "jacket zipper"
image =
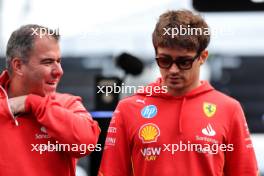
{"points": [[9, 109]]}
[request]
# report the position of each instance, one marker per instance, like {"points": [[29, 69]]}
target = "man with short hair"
{"points": [[192, 129], [41, 131]]}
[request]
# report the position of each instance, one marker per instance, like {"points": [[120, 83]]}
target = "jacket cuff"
{"points": [[32, 102]]}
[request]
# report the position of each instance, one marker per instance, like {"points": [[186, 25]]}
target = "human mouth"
{"points": [[175, 78], [52, 83]]}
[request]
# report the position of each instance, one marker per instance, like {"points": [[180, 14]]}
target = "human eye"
{"points": [[47, 61], [59, 61], [164, 61], [186, 62]]}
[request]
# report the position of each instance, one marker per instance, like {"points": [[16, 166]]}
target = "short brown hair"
{"points": [[185, 19]]}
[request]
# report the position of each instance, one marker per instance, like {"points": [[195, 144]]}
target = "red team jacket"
{"points": [[203, 133], [60, 118]]}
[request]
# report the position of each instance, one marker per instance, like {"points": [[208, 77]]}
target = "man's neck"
{"points": [[14, 89]]}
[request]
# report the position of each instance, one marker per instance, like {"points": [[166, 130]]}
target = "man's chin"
{"points": [[47, 92], [175, 85], [179, 85]]}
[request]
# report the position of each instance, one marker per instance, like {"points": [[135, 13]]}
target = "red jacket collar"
{"points": [[4, 79]]}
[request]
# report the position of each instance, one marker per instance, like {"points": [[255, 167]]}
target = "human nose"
{"points": [[174, 68], [57, 70]]}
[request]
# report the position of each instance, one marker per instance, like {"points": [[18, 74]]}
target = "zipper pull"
{"points": [[16, 122], [15, 119]]}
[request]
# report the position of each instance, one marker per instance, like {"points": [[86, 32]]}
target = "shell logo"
{"points": [[149, 133]]}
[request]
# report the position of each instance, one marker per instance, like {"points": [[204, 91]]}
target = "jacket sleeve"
{"points": [[116, 160], [66, 121], [241, 160]]}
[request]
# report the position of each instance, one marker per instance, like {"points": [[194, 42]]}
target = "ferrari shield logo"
{"points": [[209, 109]]}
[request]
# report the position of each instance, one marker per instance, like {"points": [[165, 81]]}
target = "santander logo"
{"points": [[208, 131], [43, 129]]}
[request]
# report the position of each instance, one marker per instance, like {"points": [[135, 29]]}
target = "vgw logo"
{"points": [[151, 153], [149, 111]]}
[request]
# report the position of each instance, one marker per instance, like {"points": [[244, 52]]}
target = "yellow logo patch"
{"points": [[149, 133], [209, 109]]}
